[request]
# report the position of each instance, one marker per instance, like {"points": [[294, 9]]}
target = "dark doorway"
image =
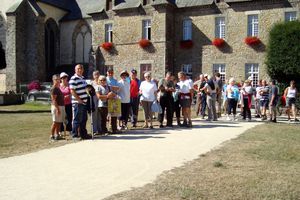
{"points": [[51, 47], [2, 57]]}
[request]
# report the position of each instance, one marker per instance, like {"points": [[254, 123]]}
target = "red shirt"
{"points": [[67, 94], [134, 88]]}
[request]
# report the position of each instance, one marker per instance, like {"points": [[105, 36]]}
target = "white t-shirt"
{"points": [[148, 89], [124, 91], [185, 86]]}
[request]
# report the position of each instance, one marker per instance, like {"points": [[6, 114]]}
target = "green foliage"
{"points": [[283, 53]]}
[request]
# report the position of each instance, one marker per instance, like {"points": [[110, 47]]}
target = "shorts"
{"points": [[264, 103], [58, 118], [290, 101], [185, 103]]}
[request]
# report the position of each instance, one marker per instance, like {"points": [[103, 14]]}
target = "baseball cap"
{"points": [[205, 75], [63, 74], [133, 71]]}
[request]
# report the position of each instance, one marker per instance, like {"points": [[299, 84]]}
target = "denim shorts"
{"points": [[264, 103], [290, 101]]}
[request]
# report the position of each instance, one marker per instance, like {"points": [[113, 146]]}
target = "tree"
{"points": [[283, 52]]}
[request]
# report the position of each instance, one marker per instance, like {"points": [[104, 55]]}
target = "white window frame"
{"points": [[290, 16], [109, 32], [220, 26], [187, 29], [252, 69], [187, 69], [253, 25], [146, 29], [221, 68]]}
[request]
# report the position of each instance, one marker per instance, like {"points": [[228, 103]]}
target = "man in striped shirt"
{"points": [[79, 103]]}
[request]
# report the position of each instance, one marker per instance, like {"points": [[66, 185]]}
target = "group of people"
{"points": [[218, 97], [72, 100]]}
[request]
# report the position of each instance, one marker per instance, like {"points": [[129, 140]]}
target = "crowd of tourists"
{"points": [[117, 102]]}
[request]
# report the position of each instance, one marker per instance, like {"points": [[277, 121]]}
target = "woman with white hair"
{"points": [[232, 98], [148, 91]]}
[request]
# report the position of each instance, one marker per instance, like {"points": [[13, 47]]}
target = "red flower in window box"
{"points": [[186, 44], [144, 43], [218, 42], [107, 46], [252, 40]]}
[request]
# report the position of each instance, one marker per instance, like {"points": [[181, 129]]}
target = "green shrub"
{"points": [[283, 52]]}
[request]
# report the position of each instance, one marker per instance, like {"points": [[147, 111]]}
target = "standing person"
{"points": [[246, 98], [257, 99], [114, 86], [148, 91], [134, 96], [176, 105], [103, 93], [264, 100], [79, 103], [124, 93], [224, 94], [273, 97], [166, 88], [290, 94], [219, 83], [203, 95], [232, 98], [196, 87], [96, 120], [65, 89], [57, 107], [186, 96], [210, 89]]}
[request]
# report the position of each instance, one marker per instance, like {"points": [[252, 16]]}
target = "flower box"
{"points": [[186, 44], [144, 43], [252, 40], [218, 42], [107, 46]]}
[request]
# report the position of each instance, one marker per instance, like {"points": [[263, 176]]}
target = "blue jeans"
{"points": [[79, 120], [134, 109], [203, 104]]}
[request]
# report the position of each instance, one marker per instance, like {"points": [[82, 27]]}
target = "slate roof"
{"points": [[191, 3]]}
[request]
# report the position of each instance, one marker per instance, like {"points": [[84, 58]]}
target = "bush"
{"points": [[283, 52]]}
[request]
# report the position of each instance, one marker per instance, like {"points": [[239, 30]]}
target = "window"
{"points": [[144, 68], [146, 2], [220, 27], [187, 29], [109, 4], [290, 16], [108, 33], [253, 25], [252, 70], [187, 69], [221, 69], [147, 29]]}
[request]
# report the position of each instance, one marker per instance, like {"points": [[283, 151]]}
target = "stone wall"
{"points": [[235, 54], [127, 32]]}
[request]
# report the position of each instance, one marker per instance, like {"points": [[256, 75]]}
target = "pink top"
{"points": [[67, 94]]}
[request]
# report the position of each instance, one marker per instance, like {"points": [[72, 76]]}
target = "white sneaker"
{"points": [[228, 118]]}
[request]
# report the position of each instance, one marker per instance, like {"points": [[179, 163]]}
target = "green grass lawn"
{"points": [[263, 163], [28, 106]]}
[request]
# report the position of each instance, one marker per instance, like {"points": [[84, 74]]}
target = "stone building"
{"points": [[45, 36]]}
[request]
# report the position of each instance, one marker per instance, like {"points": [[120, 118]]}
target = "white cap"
{"points": [[63, 74], [250, 78], [205, 75]]}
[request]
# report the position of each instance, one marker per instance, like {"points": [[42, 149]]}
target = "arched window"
{"points": [[83, 43], [51, 44]]}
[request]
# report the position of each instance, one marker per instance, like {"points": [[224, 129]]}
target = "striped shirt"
{"points": [[78, 84]]}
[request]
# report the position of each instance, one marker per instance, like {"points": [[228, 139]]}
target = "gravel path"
{"points": [[102, 167]]}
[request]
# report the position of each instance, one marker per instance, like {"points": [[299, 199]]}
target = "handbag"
{"points": [[155, 107], [114, 107]]}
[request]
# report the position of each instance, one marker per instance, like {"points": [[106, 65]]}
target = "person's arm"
{"points": [[74, 94], [54, 102], [285, 92]]}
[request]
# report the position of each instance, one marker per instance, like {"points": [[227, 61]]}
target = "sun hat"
{"points": [[63, 74], [124, 72]]}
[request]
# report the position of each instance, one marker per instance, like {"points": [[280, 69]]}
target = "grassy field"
{"points": [[28, 106], [263, 163]]}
